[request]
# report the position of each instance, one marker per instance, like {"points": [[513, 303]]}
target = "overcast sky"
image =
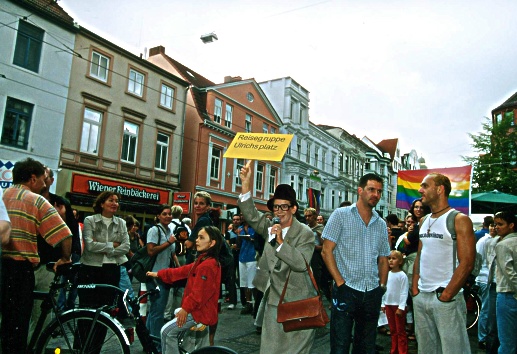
{"points": [[426, 72]]}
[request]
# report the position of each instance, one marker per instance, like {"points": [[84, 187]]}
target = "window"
{"points": [[272, 180], [322, 198], [341, 159], [333, 199], [91, 131], [308, 155], [136, 83], [316, 157], [323, 160], [293, 109], [215, 162], [162, 151], [229, 113], [218, 110], [259, 178], [509, 116], [129, 141], [299, 148], [265, 129], [250, 97], [273, 130], [167, 96], [17, 123], [99, 67], [239, 165], [299, 193], [27, 52], [247, 124]]}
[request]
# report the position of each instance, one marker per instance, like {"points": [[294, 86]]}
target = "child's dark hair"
{"points": [[214, 234]]}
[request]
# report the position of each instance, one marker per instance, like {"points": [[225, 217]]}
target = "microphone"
{"points": [[275, 220]]}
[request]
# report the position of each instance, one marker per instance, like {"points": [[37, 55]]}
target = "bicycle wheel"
{"points": [[75, 332], [473, 307]]}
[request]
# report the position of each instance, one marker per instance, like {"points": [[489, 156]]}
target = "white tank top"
{"points": [[436, 256]]}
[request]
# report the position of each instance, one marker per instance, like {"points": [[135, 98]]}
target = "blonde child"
{"points": [[394, 303]]}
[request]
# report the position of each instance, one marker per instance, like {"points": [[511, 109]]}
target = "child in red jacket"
{"points": [[199, 303]]}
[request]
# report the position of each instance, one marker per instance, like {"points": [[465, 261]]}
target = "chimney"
{"points": [[157, 50], [228, 79]]}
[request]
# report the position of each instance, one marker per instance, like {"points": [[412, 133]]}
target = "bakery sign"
{"points": [[93, 185], [183, 200]]}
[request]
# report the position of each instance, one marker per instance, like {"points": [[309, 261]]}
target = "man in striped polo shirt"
{"points": [[31, 215]]}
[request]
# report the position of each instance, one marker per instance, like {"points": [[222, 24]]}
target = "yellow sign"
{"points": [[259, 146]]}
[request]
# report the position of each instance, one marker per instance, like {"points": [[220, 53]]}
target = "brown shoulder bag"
{"points": [[302, 314]]}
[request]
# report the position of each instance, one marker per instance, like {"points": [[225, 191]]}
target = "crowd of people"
{"points": [[411, 270]]}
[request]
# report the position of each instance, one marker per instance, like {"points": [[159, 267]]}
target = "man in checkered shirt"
{"points": [[355, 250]]}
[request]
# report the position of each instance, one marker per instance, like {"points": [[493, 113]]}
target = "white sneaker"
{"points": [[231, 307]]}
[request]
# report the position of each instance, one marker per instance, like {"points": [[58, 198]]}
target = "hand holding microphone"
{"points": [[275, 220]]}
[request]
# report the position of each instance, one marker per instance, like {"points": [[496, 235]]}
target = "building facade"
{"points": [[214, 114], [123, 129], [36, 59]]}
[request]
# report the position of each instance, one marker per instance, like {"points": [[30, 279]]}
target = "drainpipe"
{"points": [[183, 132]]}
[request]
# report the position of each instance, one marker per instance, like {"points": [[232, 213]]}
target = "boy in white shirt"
{"points": [[394, 303]]}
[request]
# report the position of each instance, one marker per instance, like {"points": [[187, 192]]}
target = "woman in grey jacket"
{"points": [[106, 243]]}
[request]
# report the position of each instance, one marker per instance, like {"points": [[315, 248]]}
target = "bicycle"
{"points": [[473, 303], [78, 330]]}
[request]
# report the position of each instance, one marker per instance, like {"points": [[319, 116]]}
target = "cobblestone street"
{"points": [[237, 332]]}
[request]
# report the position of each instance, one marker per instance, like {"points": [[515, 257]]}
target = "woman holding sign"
{"points": [[289, 250]]}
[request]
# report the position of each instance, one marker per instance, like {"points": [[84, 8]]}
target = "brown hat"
{"points": [[283, 191]]}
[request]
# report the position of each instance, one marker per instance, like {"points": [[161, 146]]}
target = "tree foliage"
{"points": [[496, 165]]}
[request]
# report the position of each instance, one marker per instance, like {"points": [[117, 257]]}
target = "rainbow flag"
{"points": [[408, 184]]}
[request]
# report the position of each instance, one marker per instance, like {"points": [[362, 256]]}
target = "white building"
{"points": [[325, 158], [36, 58]]}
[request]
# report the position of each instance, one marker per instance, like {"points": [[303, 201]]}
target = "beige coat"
{"points": [[274, 267]]}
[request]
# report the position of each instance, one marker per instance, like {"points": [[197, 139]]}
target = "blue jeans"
{"points": [[155, 316], [65, 302], [483, 314], [351, 307], [492, 339], [125, 282], [506, 309]]}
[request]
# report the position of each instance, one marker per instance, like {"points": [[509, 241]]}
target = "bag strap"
{"points": [[287, 280], [160, 230], [451, 227]]}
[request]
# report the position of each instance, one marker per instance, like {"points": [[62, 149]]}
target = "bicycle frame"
{"points": [[102, 314]]}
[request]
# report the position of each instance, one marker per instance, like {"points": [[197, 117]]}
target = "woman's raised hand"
{"points": [[245, 175]]}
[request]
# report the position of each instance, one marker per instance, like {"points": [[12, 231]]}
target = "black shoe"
{"points": [[248, 309]]}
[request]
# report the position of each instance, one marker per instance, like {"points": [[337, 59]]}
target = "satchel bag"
{"points": [[302, 314], [142, 262]]}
